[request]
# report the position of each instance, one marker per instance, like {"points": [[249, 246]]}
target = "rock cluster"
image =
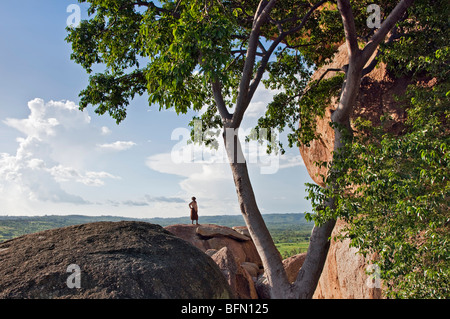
{"points": [[231, 249], [235, 253], [133, 260], [136, 260], [126, 260]]}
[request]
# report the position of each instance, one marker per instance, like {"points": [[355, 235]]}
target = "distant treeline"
{"points": [[15, 226]]}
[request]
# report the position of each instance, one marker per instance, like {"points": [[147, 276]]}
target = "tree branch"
{"points": [[220, 102], [281, 37], [349, 27], [153, 6], [242, 101], [358, 58], [261, 46], [386, 26], [245, 96], [323, 75], [241, 52], [374, 62], [304, 19], [371, 66]]}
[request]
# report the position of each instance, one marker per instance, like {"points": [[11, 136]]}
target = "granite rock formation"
{"points": [[132, 260], [344, 274]]}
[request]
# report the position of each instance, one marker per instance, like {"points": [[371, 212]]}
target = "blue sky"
{"points": [[55, 159]]}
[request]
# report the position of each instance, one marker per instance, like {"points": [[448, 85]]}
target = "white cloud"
{"points": [[67, 174], [289, 160], [105, 130], [211, 183], [58, 139], [164, 163], [117, 146], [29, 180], [261, 99], [45, 117], [256, 109]]}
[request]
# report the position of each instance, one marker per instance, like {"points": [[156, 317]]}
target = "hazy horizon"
{"points": [[55, 159]]}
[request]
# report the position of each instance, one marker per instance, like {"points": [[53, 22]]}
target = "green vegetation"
{"points": [[290, 249], [289, 231], [392, 189], [290, 238], [400, 207]]}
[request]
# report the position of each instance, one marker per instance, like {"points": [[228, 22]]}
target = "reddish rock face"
{"points": [[217, 237], [210, 231], [376, 98], [344, 273], [293, 264], [232, 251], [239, 279]]}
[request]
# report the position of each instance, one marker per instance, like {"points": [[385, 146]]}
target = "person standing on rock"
{"points": [[194, 210]]}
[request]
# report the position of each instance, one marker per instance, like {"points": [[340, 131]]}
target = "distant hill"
{"points": [[15, 226]]}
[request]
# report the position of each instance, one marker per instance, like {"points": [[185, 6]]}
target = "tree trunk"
{"points": [[270, 257], [311, 270], [308, 277]]}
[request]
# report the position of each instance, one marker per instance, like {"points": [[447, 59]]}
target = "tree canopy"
{"points": [[213, 55]]}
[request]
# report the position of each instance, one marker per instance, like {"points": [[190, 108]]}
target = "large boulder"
{"points": [[376, 98], [210, 231], [293, 264], [216, 237], [240, 281], [115, 260], [344, 275]]}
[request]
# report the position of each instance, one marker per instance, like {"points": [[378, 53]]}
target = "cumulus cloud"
{"points": [[52, 152], [44, 118], [210, 182], [22, 179], [67, 174]]}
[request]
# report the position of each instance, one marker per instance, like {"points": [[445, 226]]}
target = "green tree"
{"points": [[213, 54], [397, 203]]}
